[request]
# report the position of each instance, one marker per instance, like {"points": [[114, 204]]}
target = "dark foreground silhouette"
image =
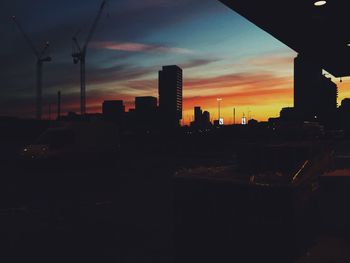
{"points": [[130, 207]]}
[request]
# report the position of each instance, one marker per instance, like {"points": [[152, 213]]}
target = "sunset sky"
{"points": [[222, 55]]}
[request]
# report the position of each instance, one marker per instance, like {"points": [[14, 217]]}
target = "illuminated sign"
{"points": [[221, 121], [244, 120]]}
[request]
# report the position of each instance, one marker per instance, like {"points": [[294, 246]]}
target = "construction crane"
{"points": [[79, 55], [41, 58]]}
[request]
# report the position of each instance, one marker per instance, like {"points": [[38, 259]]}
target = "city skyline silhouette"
{"points": [[248, 68], [174, 131]]}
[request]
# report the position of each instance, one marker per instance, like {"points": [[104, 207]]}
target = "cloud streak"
{"points": [[237, 82], [196, 63], [271, 61], [138, 47]]}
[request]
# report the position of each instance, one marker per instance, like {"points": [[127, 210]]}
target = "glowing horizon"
{"points": [[221, 54]]}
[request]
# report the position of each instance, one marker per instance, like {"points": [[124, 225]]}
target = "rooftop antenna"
{"points": [[41, 58]]}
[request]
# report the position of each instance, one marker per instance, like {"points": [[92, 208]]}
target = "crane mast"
{"points": [[41, 58], [79, 55]]}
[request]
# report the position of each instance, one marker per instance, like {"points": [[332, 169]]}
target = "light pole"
{"points": [[234, 116], [219, 100]]}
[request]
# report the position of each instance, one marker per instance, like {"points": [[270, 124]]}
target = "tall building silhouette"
{"points": [[201, 119], [206, 118], [306, 75], [344, 115], [197, 114], [170, 95], [315, 96]]}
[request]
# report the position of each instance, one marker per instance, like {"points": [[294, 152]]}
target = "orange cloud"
{"points": [[237, 80]]}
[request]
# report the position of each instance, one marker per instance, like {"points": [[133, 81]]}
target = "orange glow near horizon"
{"points": [[246, 97], [257, 97]]}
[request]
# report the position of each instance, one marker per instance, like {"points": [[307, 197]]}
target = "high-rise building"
{"points": [[315, 96], [206, 118], [306, 76], [170, 95], [197, 114], [201, 119]]}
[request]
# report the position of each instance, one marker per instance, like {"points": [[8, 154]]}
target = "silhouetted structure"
{"points": [[41, 58], [113, 110], [201, 119], [252, 122], [304, 28], [288, 114], [305, 86], [146, 104], [79, 55], [197, 114], [170, 95], [344, 115], [71, 116], [145, 115], [315, 96], [345, 104], [328, 95], [206, 118]]}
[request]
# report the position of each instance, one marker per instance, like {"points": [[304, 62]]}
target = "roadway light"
{"points": [[320, 3]]}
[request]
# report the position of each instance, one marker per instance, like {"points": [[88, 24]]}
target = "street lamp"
{"points": [[320, 3], [234, 116], [218, 100]]}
